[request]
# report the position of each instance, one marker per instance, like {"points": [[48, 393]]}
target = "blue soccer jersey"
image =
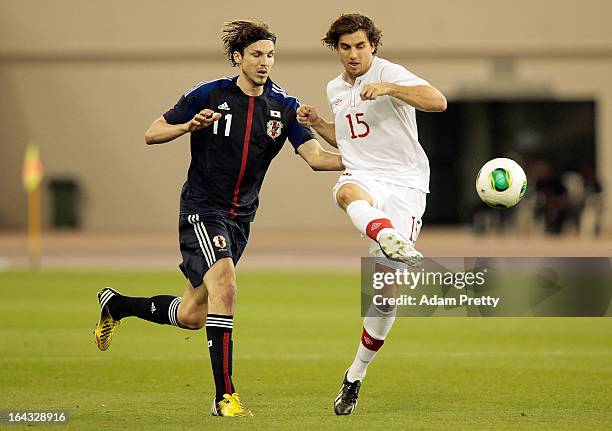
{"points": [[229, 159]]}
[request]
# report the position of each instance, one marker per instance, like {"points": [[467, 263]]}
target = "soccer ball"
{"points": [[501, 183]]}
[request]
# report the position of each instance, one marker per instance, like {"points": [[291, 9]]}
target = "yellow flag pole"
{"points": [[34, 230], [32, 173]]}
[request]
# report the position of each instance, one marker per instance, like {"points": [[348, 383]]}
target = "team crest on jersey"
{"points": [[274, 128], [220, 242]]}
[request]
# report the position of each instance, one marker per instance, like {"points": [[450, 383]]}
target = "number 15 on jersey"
{"points": [[363, 126]]}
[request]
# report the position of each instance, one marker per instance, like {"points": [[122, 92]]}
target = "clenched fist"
{"points": [[307, 115], [372, 91]]}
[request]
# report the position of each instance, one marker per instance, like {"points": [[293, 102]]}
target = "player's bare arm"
{"points": [[422, 97], [318, 158], [161, 132], [309, 116]]}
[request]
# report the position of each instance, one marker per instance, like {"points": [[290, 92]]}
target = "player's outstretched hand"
{"points": [[202, 119], [372, 91], [307, 115]]}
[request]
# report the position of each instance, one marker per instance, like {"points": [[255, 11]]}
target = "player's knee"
{"points": [[344, 196], [350, 193], [225, 292]]}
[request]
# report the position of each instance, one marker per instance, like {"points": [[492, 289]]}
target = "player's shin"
{"points": [[161, 309], [376, 327], [220, 345], [368, 220]]}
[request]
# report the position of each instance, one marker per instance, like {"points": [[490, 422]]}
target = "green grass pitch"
{"points": [[295, 334]]}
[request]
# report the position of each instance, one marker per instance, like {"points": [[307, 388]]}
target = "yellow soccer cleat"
{"points": [[106, 326], [230, 405]]}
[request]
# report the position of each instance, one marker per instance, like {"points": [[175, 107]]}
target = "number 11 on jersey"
{"points": [[228, 125]]}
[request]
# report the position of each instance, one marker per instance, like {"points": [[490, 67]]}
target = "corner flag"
{"points": [[32, 174], [32, 171]]}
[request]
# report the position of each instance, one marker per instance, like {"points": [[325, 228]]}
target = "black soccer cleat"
{"points": [[347, 398]]}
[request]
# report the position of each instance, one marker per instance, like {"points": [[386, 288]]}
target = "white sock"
{"points": [[376, 326], [368, 220]]}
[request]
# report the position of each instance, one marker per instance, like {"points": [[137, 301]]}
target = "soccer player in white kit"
{"points": [[384, 187]]}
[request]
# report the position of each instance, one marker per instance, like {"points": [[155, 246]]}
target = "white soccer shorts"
{"points": [[404, 205]]}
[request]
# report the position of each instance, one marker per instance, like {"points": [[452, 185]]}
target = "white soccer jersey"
{"points": [[379, 137]]}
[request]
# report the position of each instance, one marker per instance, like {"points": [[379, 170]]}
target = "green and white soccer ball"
{"points": [[501, 183]]}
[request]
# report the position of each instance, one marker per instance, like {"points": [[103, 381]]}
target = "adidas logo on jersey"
{"points": [[224, 106]]}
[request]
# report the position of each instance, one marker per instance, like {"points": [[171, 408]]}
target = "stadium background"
{"points": [[83, 80]]}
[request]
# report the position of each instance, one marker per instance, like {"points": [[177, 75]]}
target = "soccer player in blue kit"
{"points": [[237, 126]]}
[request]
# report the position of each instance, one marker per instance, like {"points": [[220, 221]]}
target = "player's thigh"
{"points": [[221, 276], [218, 287], [220, 281]]}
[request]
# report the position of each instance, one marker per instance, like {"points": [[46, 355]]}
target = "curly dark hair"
{"points": [[237, 35], [350, 23]]}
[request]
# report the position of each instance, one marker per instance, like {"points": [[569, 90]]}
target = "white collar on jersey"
{"points": [[360, 78]]}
